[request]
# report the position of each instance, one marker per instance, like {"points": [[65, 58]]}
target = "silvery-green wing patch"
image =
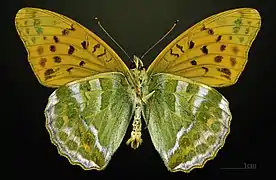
{"points": [[188, 122], [87, 119]]}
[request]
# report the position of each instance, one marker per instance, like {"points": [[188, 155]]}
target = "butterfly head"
{"points": [[137, 63], [138, 72]]}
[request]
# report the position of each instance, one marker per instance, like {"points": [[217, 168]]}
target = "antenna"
{"points": [[174, 24], [99, 23]]}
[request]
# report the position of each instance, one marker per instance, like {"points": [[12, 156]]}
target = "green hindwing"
{"points": [[87, 119], [188, 122]]}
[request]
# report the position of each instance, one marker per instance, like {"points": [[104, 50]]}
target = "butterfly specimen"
{"points": [[97, 95]]}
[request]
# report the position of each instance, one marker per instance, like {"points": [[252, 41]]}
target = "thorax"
{"points": [[140, 80]]}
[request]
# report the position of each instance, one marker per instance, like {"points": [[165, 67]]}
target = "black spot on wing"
{"points": [[233, 61], [218, 59], [71, 50], [222, 47], [84, 44], [57, 59], [49, 72], [180, 47], [42, 62], [69, 69], [96, 47], [65, 32], [191, 44], [210, 31], [206, 69], [218, 38], [53, 48], [82, 63], [204, 49], [56, 39], [104, 53], [225, 71], [173, 54], [193, 62]]}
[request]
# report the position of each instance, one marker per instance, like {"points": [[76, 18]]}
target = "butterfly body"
{"points": [[97, 96]]}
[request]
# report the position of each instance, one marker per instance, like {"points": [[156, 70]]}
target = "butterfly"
{"points": [[97, 95]]}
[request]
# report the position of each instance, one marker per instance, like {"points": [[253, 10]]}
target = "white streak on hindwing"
{"points": [[178, 136], [75, 88], [199, 98]]}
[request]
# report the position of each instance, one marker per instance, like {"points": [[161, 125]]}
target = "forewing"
{"points": [[87, 119], [214, 51], [60, 50], [188, 122]]}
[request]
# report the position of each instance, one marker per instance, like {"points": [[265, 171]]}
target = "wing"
{"points": [[87, 119], [214, 51], [188, 122], [61, 50]]}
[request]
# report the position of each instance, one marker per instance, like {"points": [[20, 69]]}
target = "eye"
{"points": [[132, 65]]}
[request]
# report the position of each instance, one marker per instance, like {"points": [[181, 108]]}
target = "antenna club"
{"points": [[176, 21], [96, 19]]}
